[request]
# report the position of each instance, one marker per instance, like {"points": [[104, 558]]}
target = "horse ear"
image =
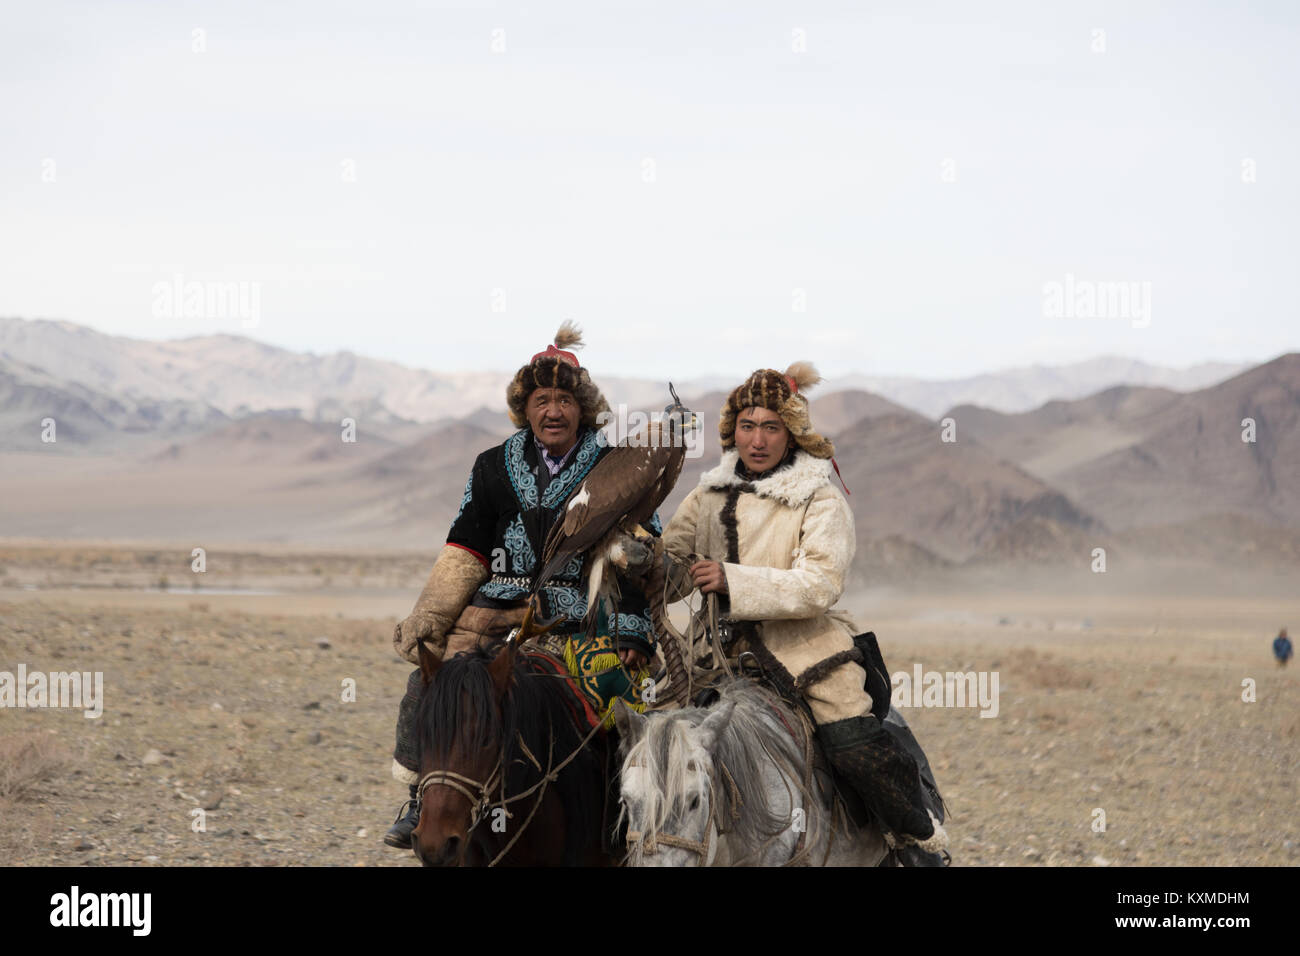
{"points": [[502, 668], [715, 723], [429, 664], [629, 723]]}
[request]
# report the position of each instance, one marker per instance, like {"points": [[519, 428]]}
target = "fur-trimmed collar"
{"points": [[792, 486]]}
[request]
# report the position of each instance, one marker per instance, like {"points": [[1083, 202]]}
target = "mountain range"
{"points": [[222, 439]]}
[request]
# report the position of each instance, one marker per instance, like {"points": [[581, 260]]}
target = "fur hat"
{"points": [[556, 368], [781, 393]]}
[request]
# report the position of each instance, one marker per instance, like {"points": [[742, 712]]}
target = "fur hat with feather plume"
{"points": [[783, 393], [556, 367]]}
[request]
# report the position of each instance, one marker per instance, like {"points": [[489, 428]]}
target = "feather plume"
{"points": [[805, 375], [569, 336]]}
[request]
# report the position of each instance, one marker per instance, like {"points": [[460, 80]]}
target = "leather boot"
{"points": [[886, 777], [399, 834]]}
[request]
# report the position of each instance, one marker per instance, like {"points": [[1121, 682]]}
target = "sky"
{"points": [[884, 188]]}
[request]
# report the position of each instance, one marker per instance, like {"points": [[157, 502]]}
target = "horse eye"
{"points": [[695, 803]]}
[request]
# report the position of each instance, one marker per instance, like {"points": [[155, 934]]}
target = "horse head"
{"points": [[490, 730], [668, 784], [461, 731]]}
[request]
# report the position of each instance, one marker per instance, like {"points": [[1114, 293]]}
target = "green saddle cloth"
{"points": [[599, 674]]}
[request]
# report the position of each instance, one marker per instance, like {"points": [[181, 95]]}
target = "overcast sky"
{"points": [[883, 188]]}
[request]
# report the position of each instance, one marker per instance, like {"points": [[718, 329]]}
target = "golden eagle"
{"points": [[605, 517]]}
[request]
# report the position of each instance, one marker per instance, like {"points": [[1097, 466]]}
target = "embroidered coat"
{"points": [[785, 542], [509, 505]]}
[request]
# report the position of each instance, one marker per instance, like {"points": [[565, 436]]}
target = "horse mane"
{"points": [[459, 707], [754, 737]]}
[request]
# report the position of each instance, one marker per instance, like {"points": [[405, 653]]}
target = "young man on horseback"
{"points": [[770, 534], [479, 585]]}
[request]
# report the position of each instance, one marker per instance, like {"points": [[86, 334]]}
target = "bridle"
{"points": [[479, 794], [704, 849], [476, 793]]}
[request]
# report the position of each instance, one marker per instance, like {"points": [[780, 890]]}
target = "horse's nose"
{"points": [[450, 852], [445, 854]]}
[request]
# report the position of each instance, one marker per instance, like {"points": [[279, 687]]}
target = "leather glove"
{"points": [[456, 575], [632, 555]]}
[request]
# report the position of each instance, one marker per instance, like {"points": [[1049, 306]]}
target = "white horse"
{"points": [[728, 785]]}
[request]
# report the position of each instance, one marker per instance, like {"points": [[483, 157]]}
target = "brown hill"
{"points": [[948, 497], [1191, 461], [837, 412], [1143, 456], [445, 452], [1062, 434], [271, 439], [891, 559]]}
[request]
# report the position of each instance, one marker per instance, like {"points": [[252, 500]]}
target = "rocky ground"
{"points": [[1122, 708], [241, 716]]}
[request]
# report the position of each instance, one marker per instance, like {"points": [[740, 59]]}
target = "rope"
{"points": [[536, 803]]}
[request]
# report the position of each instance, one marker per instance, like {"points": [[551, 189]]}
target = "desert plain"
{"points": [[1141, 719]]}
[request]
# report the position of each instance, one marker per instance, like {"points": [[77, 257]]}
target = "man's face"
{"points": [[553, 415], [761, 438]]}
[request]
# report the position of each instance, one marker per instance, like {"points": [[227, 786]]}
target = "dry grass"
{"points": [[26, 761], [1042, 671]]}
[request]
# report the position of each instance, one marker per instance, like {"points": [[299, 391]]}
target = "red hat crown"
{"points": [[551, 351]]}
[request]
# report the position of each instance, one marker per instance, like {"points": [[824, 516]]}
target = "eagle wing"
{"points": [[620, 484]]}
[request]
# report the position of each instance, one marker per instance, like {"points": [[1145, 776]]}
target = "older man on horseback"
{"points": [[478, 588], [770, 534]]}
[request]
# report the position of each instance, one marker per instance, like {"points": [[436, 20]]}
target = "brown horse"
{"points": [[511, 771]]}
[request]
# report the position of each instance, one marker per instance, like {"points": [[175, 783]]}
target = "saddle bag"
{"points": [[881, 690], [878, 684]]}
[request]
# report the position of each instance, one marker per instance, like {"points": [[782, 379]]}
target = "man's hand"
{"points": [[632, 660], [709, 577]]}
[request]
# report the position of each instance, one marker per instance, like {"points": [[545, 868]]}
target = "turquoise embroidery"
{"points": [[507, 589], [469, 484], [573, 569], [630, 624], [567, 601], [577, 469], [521, 479], [524, 482], [522, 559]]}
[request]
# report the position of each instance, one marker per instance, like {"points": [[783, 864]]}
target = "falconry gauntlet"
{"points": [[639, 556], [456, 575]]}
